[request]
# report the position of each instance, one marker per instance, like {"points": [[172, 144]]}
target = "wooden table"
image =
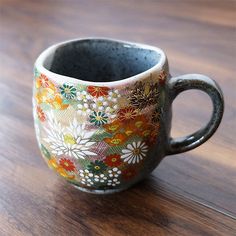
{"points": [[188, 194]]}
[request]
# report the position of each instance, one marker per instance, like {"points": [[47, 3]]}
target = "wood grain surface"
{"points": [[188, 194]]}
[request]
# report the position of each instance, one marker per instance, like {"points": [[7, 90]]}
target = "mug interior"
{"points": [[100, 60]]}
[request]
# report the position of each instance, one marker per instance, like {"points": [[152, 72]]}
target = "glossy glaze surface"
{"points": [[103, 138]]}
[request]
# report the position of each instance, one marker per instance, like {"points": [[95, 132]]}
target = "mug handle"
{"points": [[179, 84]]}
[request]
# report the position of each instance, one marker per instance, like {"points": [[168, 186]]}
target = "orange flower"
{"points": [[64, 174], [113, 127], [140, 121], [135, 126], [67, 164], [130, 128], [70, 177], [96, 91], [44, 81], [40, 114], [52, 163], [116, 140], [57, 103], [41, 96], [45, 94], [127, 113]]}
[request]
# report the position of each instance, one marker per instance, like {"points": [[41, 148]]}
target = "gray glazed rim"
{"points": [[39, 64]]}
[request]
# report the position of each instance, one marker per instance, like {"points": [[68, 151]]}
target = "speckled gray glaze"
{"points": [[113, 61], [74, 77], [196, 81]]}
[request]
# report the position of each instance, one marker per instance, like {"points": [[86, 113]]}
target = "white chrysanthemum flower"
{"points": [[134, 152], [73, 140]]}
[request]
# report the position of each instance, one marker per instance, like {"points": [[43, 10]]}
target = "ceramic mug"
{"points": [[102, 111]]}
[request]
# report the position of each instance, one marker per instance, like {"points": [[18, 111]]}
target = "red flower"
{"points": [[97, 91], [129, 173], [127, 113], [113, 160], [40, 114], [162, 78], [43, 80], [67, 164]]}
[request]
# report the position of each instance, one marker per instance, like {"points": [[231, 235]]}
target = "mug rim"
{"points": [[39, 63]]}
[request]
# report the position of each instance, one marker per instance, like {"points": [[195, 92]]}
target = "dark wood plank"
{"points": [[188, 194], [36, 202]]}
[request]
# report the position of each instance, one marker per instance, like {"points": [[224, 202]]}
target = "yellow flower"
{"points": [[69, 139], [52, 163], [64, 174]]}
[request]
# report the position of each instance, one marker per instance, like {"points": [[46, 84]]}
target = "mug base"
{"points": [[106, 191]]}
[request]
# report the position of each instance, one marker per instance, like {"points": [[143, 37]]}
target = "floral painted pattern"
{"points": [[98, 91], [113, 160], [68, 91], [40, 114], [144, 94], [67, 164], [64, 167], [134, 152], [98, 118], [128, 113], [97, 137], [73, 140], [97, 167]]}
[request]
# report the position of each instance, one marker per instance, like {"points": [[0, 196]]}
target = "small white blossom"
{"points": [[113, 182], [100, 178], [99, 104], [83, 96], [113, 96], [83, 109], [86, 177], [114, 172]]}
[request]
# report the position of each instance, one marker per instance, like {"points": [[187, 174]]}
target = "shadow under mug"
{"points": [[102, 111]]}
